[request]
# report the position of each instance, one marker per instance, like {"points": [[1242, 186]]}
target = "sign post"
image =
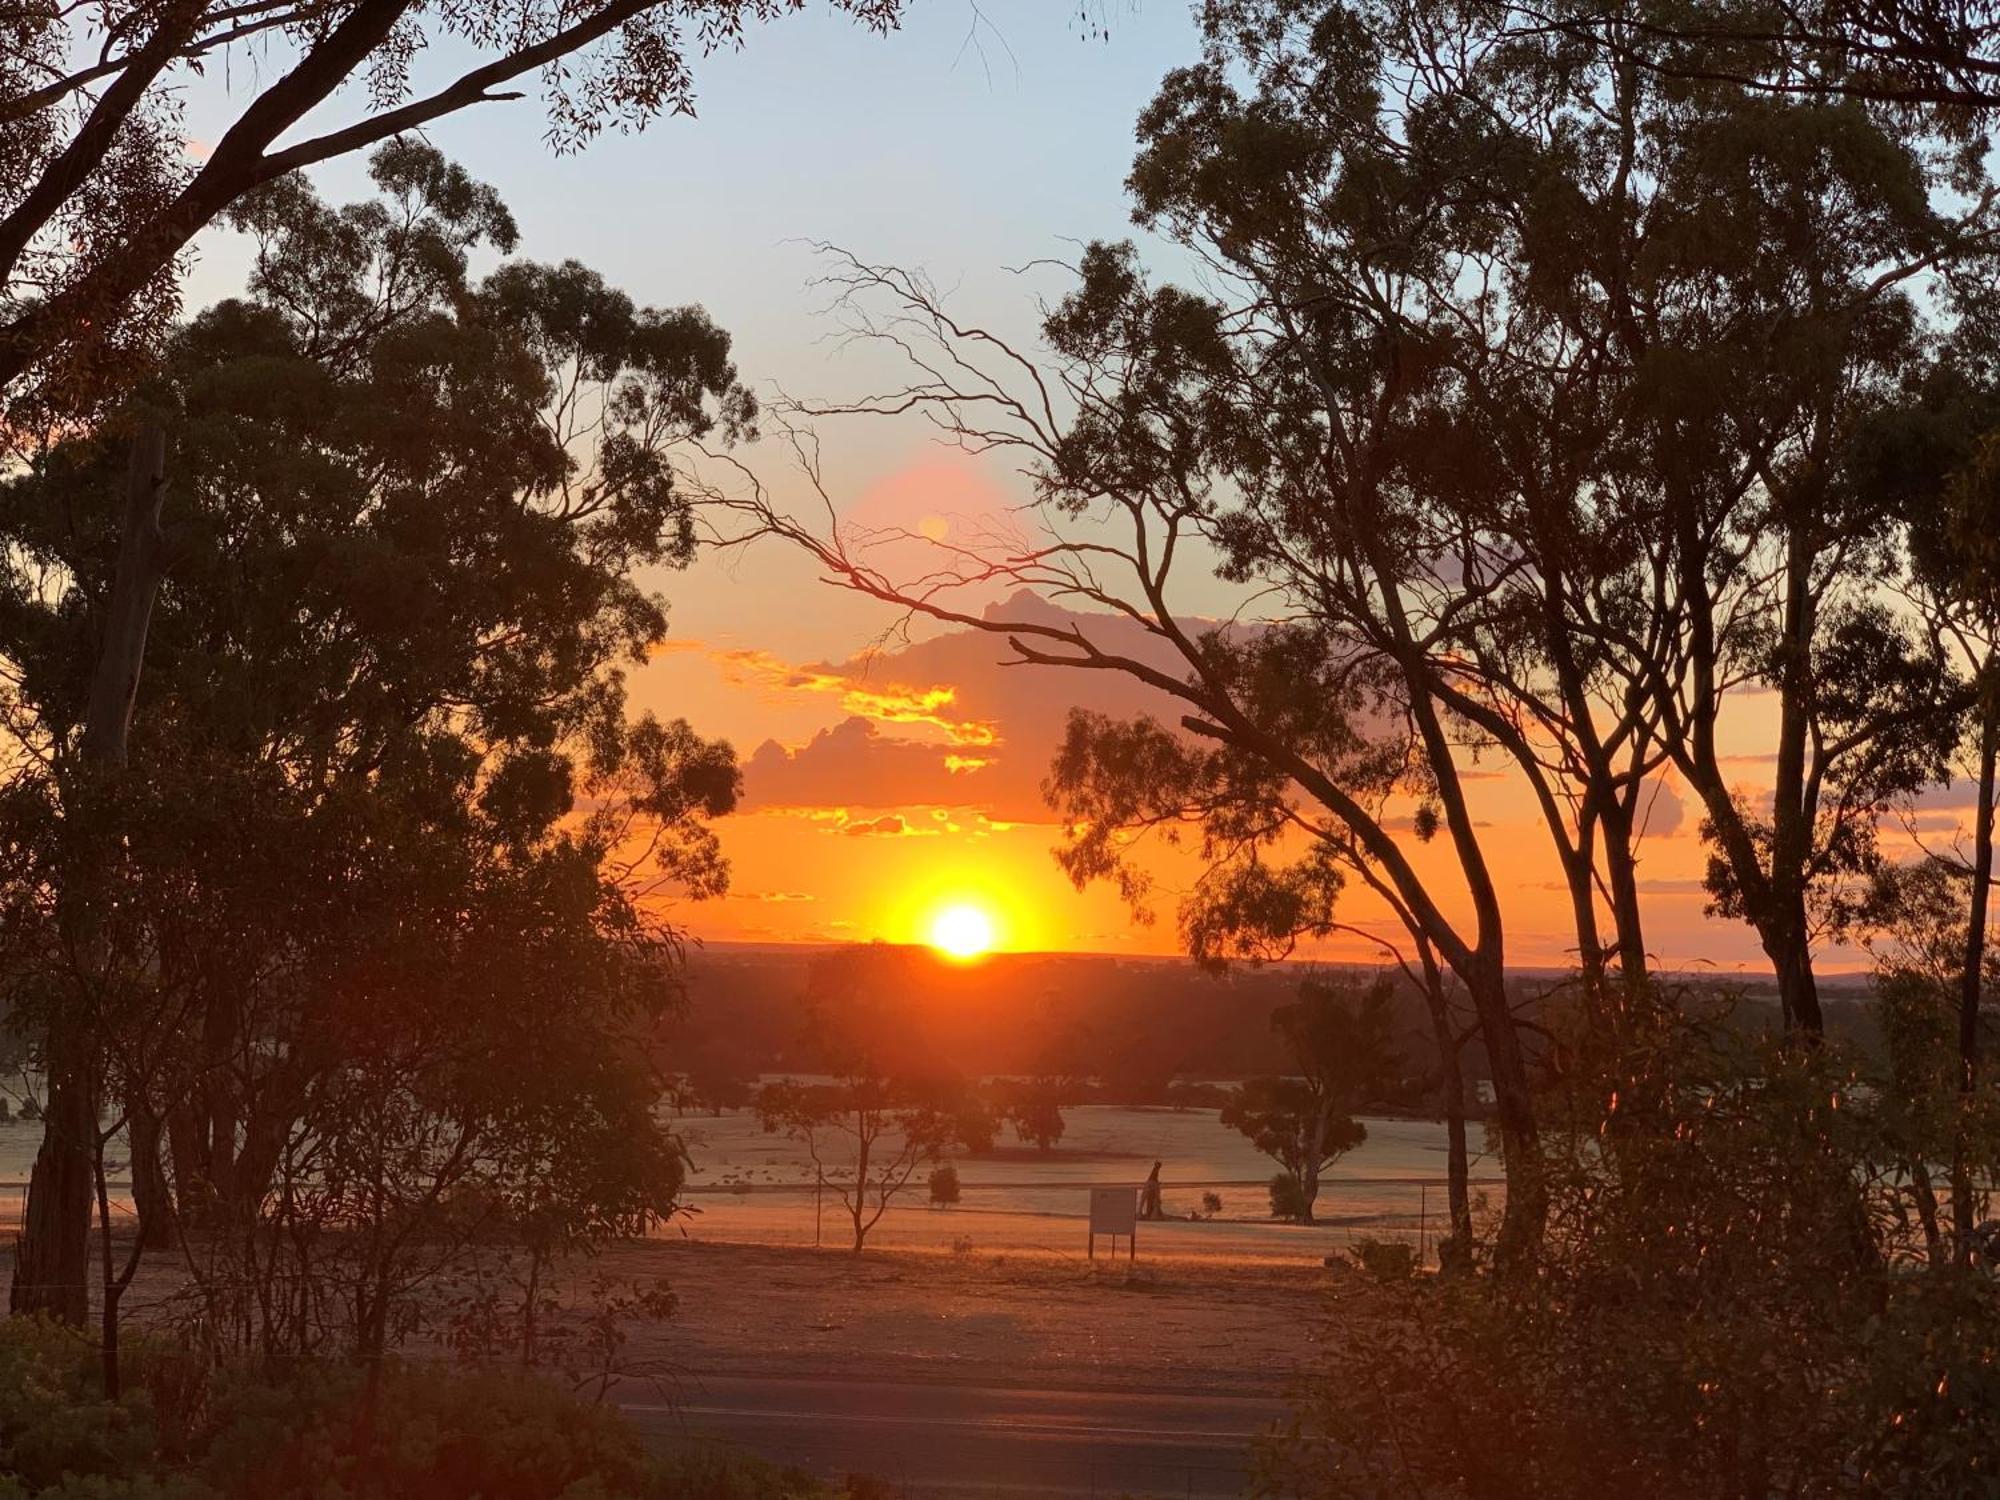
{"points": [[1115, 1211]]}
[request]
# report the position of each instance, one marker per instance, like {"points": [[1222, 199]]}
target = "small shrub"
{"points": [[944, 1186], [1211, 1205], [57, 1427], [1288, 1199], [1386, 1260]]}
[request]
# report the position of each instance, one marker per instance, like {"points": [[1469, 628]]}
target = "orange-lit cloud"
{"points": [[884, 702]]}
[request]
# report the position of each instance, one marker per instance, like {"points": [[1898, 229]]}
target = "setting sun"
{"points": [[962, 931]]}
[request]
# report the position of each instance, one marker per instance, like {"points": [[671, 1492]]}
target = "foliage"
{"points": [[1528, 402], [1034, 1106], [944, 1186], [55, 1421], [324, 1432], [1288, 1200], [1340, 1039], [100, 195], [1729, 1305], [1385, 1260], [387, 922]]}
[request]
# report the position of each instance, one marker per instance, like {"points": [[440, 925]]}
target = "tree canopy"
{"points": [[100, 193], [390, 846]]}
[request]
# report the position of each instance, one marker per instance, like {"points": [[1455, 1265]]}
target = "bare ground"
{"points": [[1013, 1318]]}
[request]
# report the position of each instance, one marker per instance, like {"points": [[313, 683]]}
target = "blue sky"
{"points": [[976, 137]]}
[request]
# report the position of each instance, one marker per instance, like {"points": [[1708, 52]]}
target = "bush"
{"points": [[1386, 1260], [56, 1426], [944, 1186], [1288, 1199], [1727, 1305], [428, 1432], [1211, 1205]]}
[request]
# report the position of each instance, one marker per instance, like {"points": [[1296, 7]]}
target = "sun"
{"points": [[961, 931]]}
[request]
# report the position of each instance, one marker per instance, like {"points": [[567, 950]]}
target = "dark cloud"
{"points": [[856, 764], [983, 735]]}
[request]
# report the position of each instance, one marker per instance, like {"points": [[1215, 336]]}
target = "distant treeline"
{"points": [[1125, 1029]]}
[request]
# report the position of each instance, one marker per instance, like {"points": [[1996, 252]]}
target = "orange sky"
{"points": [[887, 779]]}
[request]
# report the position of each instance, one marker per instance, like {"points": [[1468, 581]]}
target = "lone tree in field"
{"points": [[1341, 1041], [867, 1137], [890, 1111], [1034, 1107]]}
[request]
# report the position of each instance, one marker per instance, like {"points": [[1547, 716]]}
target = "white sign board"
{"points": [[1113, 1210]]}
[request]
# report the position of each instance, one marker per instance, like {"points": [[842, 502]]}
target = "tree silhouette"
{"points": [[1340, 1039], [99, 197], [392, 631]]}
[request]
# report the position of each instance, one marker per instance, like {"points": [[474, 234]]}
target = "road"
{"points": [[959, 1440]]}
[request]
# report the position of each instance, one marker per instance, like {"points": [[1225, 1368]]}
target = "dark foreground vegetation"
{"points": [[185, 1430]]}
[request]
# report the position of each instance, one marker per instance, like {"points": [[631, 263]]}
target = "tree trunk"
{"points": [[1927, 1214], [1455, 1250], [52, 1260], [1526, 1214], [1309, 1169], [1972, 980], [151, 1194], [51, 1270], [1784, 928], [1622, 875], [1791, 955]]}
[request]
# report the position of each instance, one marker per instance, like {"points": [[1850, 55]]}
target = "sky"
{"points": [[890, 779]]}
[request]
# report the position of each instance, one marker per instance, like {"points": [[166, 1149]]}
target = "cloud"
{"points": [[890, 825], [854, 764], [953, 720], [1673, 887], [943, 722], [772, 897], [1662, 811], [884, 702]]}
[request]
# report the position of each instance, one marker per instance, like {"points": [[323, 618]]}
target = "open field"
{"points": [[752, 1187]]}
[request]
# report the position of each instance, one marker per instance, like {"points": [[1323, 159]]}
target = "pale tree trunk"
{"points": [[1309, 1166], [52, 1264], [1971, 981], [1455, 1250]]}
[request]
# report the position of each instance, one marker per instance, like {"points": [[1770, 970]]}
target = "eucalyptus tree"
{"points": [[1521, 405], [1783, 249], [101, 190], [401, 580], [1279, 436], [1340, 1043], [1938, 56], [1934, 459]]}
